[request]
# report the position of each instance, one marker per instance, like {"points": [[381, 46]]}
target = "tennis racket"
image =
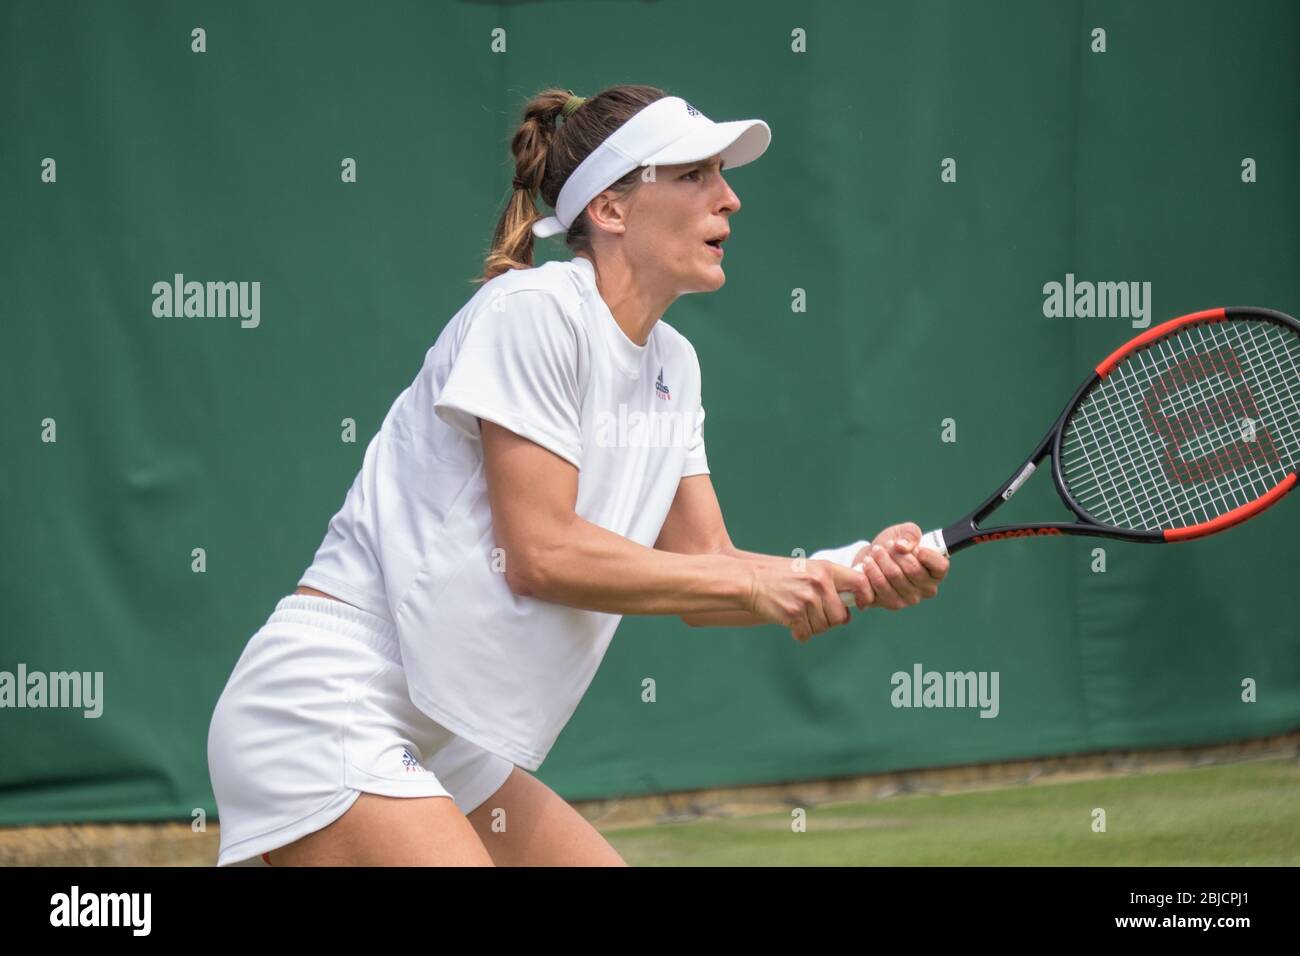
{"points": [[1190, 428]]}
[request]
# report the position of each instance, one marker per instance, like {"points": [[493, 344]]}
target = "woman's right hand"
{"points": [[804, 595]]}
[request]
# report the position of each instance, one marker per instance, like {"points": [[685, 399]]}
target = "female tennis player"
{"points": [[543, 475]]}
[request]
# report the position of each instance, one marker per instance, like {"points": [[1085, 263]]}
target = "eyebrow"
{"points": [[706, 163]]}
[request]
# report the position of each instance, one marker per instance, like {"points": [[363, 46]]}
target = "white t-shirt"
{"points": [[538, 352]]}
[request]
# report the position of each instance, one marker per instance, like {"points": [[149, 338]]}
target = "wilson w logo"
{"points": [[1199, 427]]}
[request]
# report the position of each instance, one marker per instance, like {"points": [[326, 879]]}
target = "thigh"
{"points": [[390, 831], [526, 823]]}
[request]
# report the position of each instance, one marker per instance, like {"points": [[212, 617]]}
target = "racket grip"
{"points": [[931, 539]]}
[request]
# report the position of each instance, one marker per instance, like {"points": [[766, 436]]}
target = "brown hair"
{"points": [[545, 156]]}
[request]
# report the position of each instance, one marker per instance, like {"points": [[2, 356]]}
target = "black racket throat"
{"points": [[967, 532]]}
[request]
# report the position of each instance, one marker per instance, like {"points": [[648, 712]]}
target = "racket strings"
{"points": [[1187, 428], [1139, 494], [1233, 452], [1178, 376], [1130, 490]]}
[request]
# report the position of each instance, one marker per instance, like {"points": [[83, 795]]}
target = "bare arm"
{"points": [[553, 554], [695, 526]]}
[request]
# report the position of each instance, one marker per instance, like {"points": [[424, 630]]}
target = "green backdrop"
{"points": [[924, 302]]}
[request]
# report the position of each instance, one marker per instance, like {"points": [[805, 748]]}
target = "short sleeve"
{"points": [[697, 463], [517, 366]]}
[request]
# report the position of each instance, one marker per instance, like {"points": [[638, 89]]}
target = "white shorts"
{"points": [[316, 712]]}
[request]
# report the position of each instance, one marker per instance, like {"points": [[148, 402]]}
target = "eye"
{"points": [[693, 172]]}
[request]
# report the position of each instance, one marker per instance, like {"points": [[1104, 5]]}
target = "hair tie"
{"points": [[520, 184], [571, 104]]}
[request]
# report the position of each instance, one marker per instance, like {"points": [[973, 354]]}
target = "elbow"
{"points": [[539, 563], [520, 578], [526, 574]]}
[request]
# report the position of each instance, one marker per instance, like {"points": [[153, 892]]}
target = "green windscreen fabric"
{"points": [[885, 349]]}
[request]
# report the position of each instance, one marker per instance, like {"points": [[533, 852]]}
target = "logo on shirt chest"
{"points": [[661, 390]]}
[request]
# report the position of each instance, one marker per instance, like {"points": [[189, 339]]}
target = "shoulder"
{"points": [[548, 288], [528, 308], [673, 341]]}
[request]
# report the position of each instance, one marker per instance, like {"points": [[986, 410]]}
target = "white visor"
{"points": [[668, 132]]}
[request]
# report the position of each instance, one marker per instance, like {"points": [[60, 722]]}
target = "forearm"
{"points": [[736, 618], [755, 556], [587, 566]]}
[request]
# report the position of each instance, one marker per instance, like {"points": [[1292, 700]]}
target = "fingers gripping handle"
{"points": [[931, 539], [934, 541]]}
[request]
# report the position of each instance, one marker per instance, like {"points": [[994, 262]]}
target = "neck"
{"points": [[635, 308]]}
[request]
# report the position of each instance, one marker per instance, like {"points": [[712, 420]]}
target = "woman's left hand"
{"points": [[900, 572]]}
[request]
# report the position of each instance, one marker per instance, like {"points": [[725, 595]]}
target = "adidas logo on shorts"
{"points": [[410, 763]]}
